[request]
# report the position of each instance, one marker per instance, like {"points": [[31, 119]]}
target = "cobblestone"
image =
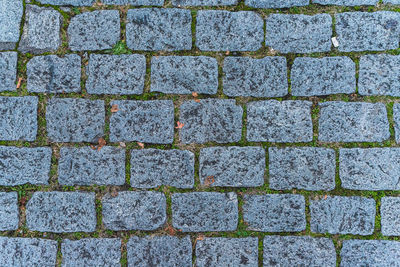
{"points": [[396, 119], [393, 2], [346, 2], [204, 2], [134, 2], [8, 69], [275, 3], [390, 221], [68, 2], [10, 20], [9, 213]]}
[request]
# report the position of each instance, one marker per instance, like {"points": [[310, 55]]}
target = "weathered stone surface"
{"points": [[274, 121], [97, 30], [184, 75], [396, 119], [221, 30], [61, 212], [143, 121], [159, 251], [155, 29], [204, 211], [346, 2], [393, 2], [18, 118], [246, 76], [75, 119], [134, 2], [232, 166], [155, 167], [68, 2], [293, 33], [275, 3], [323, 76], [274, 213], [52, 74], [41, 30], [8, 68], [307, 168], [365, 31], [24, 165], [138, 210], [10, 20], [390, 220], [353, 122], [204, 2], [91, 252], [116, 74], [298, 251], [343, 215], [218, 251], [9, 213]]}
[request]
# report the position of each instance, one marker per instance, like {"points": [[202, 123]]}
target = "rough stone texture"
{"points": [[159, 251], [152, 168], [143, 121], [156, 29], [24, 165], [323, 76], [396, 119], [275, 3], [8, 68], [116, 74], [246, 76], [346, 2], [9, 213], [97, 30], [232, 166], [343, 215], [298, 251], [204, 2], [10, 20], [61, 212], [91, 252], [18, 118], [390, 220], [307, 168], [289, 33], [184, 75], [139, 210], [370, 169], [365, 31], [274, 121], [41, 30], [134, 2], [68, 2], [204, 211], [75, 119], [52, 74], [221, 30], [393, 2], [274, 213], [27, 252], [217, 251], [353, 122], [87, 166]]}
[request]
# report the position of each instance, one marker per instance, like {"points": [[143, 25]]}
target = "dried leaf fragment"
{"points": [[141, 145], [114, 108], [194, 94], [179, 125], [209, 180], [102, 143], [19, 83]]}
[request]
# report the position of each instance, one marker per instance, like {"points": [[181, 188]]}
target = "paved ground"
{"points": [[205, 132]]}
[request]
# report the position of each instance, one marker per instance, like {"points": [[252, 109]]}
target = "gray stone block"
{"points": [[18, 118], [156, 29], [24, 165], [143, 121], [10, 21], [343, 215], [323, 76], [307, 168], [367, 31], [396, 119], [155, 167], [232, 166], [68, 2], [116, 74], [275, 3], [218, 251], [138, 210], [282, 122], [353, 122], [346, 2], [8, 69], [159, 251], [184, 75], [204, 2], [9, 213], [221, 30], [246, 76], [210, 120], [97, 30], [41, 30], [134, 2], [390, 220], [91, 252], [61, 212], [293, 33], [393, 2], [52, 74], [204, 211]]}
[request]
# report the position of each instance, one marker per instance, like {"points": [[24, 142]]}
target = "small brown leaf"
{"points": [[170, 230], [102, 143], [200, 237], [227, 53], [93, 147], [122, 144], [114, 108], [141, 145], [19, 83], [209, 180], [326, 196], [197, 100], [114, 192], [179, 125], [194, 94]]}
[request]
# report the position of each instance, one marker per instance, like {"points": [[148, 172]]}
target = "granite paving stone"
{"points": [[393, 2], [346, 2], [396, 119], [204, 2], [134, 2], [275, 3], [10, 21], [9, 212], [8, 69], [68, 2], [390, 220]]}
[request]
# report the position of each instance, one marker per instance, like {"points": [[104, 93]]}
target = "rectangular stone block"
{"points": [[307, 168], [396, 119], [343, 215], [8, 68], [10, 21], [275, 3], [246, 76], [143, 121], [180, 3], [274, 213], [204, 211], [68, 2], [390, 220], [346, 2], [184, 75], [134, 2], [393, 2], [9, 212], [281, 122], [152, 168], [221, 30], [232, 166]]}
